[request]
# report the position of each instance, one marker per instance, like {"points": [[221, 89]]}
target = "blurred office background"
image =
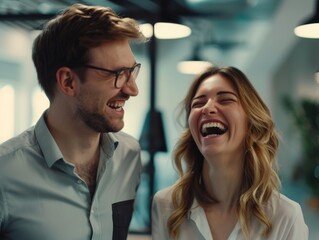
{"points": [[256, 36]]}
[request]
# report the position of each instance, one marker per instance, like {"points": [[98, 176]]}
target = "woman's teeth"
{"points": [[213, 128]]}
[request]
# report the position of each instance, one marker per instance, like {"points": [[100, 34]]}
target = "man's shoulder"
{"points": [[22, 141], [16, 156]]}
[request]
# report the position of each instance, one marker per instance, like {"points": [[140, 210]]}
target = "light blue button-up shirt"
{"points": [[42, 198]]}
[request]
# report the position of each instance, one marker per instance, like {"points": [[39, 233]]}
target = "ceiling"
{"points": [[30, 14], [237, 30]]}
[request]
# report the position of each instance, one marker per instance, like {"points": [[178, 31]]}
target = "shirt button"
{"points": [[79, 181], [92, 211]]}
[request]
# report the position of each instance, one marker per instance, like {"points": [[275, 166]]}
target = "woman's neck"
{"points": [[223, 182]]}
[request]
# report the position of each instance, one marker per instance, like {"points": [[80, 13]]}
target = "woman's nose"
{"points": [[209, 108]]}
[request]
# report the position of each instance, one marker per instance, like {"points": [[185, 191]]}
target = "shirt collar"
{"points": [[197, 214], [48, 146], [51, 151], [109, 143]]}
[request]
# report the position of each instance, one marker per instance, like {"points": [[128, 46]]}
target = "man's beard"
{"points": [[96, 121]]}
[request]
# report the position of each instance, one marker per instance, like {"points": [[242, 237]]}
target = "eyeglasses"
{"points": [[122, 75]]}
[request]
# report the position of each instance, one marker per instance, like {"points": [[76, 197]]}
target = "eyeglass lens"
{"points": [[126, 74]]}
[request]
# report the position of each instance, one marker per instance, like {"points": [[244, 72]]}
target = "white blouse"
{"points": [[286, 217]]}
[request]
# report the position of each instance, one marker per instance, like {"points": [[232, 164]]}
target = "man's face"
{"points": [[99, 104]]}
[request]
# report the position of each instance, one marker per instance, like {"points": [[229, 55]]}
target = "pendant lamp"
{"points": [[165, 30], [195, 64], [310, 27]]}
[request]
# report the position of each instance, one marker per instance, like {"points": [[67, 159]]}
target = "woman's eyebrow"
{"points": [[198, 97], [227, 92], [218, 94]]}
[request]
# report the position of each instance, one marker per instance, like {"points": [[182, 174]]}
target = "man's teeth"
{"points": [[116, 105], [213, 128]]}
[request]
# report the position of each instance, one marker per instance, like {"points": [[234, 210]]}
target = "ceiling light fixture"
{"points": [[310, 27], [169, 30], [147, 29], [165, 30], [167, 24], [194, 65]]}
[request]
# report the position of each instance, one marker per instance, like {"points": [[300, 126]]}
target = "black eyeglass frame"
{"points": [[117, 73]]}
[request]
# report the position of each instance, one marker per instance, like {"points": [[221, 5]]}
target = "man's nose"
{"points": [[130, 88]]}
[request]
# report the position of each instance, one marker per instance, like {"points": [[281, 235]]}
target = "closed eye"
{"points": [[197, 104], [227, 97], [228, 100]]}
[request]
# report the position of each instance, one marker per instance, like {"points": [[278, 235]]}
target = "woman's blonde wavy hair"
{"points": [[260, 177]]}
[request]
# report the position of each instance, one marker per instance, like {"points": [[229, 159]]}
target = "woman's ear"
{"points": [[65, 78]]}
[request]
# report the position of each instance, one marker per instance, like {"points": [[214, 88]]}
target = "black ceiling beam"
{"points": [[143, 15], [26, 16], [155, 10], [137, 14], [30, 21], [148, 6]]}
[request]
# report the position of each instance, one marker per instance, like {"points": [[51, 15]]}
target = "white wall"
{"points": [[17, 71]]}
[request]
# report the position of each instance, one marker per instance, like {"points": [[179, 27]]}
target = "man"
{"points": [[74, 175]]}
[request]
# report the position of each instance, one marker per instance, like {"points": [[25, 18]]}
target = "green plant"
{"points": [[305, 114]]}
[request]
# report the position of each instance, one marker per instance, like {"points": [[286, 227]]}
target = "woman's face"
{"points": [[217, 120]]}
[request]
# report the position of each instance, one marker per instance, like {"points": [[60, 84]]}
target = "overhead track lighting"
{"points": [[310, 27]]}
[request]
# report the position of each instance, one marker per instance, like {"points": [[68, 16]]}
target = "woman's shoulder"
{"points": [[164, 195], [287, 218], [284, 208], [162, 202]]}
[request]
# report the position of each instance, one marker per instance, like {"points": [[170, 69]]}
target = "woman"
{"points": [[228, 186]]}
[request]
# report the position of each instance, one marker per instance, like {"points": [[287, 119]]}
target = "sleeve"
{"points": [[3, 211], [299, 229], [159, 218]]}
